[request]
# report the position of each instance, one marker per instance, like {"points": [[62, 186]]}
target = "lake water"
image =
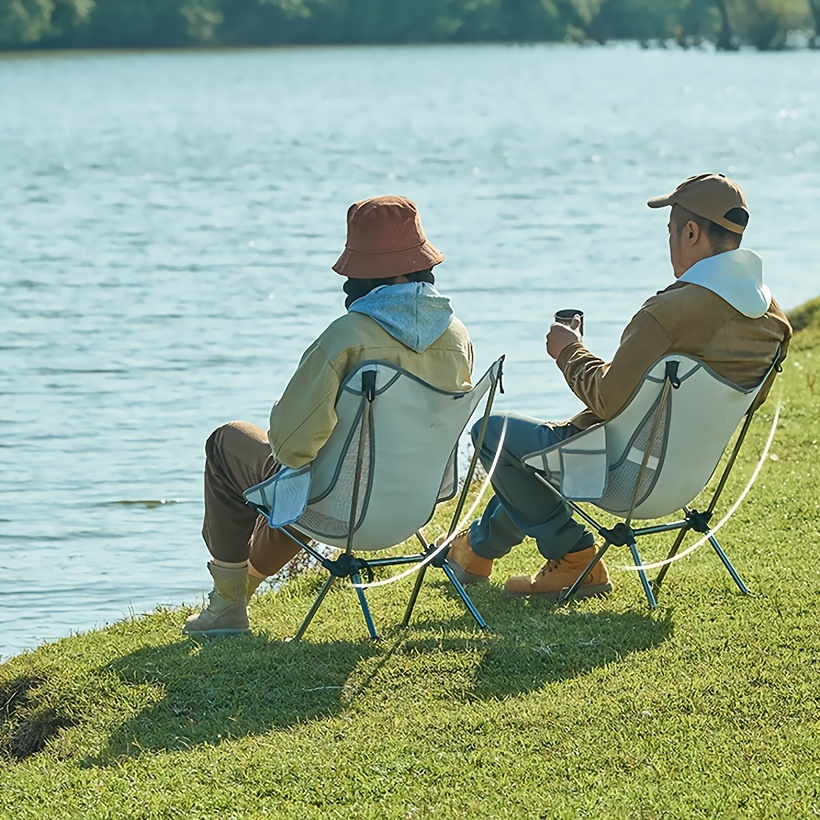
{"points": [[168, 222]]}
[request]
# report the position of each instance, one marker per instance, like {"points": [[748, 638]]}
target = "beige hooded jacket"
{"points": [[304, 417], [719, 311]]}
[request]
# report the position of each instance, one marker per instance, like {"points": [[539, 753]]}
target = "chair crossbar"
{"points": [[622, 534], [352, 567]]}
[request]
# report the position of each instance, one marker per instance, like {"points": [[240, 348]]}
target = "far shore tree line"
{"points": [[728, 24]]}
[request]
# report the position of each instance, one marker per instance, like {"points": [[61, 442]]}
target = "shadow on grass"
{"points": [[531, 644], [575, 644], [204, 693], [184, 694]]}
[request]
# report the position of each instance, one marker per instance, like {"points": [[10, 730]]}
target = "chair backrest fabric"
{"points": [[408, 457], [692, 423]]}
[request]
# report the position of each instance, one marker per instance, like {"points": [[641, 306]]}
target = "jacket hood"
{"points": [[414, 313], [735, 276]]}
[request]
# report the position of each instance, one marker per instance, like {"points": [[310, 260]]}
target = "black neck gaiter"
{"points": [[356, 288]]}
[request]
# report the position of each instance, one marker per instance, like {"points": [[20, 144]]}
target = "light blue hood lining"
{"points": [[414, 313], [735, 276]]}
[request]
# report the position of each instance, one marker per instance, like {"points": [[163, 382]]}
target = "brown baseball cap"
{"points": [[711, 196], [385, 239]]}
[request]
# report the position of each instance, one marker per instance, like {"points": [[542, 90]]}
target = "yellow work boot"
{"points": [[227, 612], [555, 577], [468, 567]]}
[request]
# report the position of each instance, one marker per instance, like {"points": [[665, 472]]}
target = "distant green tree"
{"points": [[699, 20], [135, 24], [477, 20], [70, 13], [635, 19], [270, 22], [24, 21], [203, 19], [725, 39], [765, 23], [585, 10], [577, 17], [532, 20], [175, 23], [814, 6]]}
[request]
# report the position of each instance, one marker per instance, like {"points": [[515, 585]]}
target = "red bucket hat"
{"points": [[385, 239]]}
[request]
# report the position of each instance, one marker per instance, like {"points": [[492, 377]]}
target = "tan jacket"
{"points": [[304, 417], [684, 318]]}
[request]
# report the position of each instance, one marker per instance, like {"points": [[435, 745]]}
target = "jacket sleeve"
{"points": [[303, 418], [603, 387]]}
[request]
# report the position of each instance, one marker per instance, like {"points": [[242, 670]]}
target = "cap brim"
{"points": [[659, 201]]}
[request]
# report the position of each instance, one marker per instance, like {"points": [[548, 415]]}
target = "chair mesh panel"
{"points": [[332, 519], [449, 482], [623, 476]]}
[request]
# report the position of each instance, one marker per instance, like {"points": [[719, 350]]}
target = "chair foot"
{"points": [[462, 593], [729, 566]]}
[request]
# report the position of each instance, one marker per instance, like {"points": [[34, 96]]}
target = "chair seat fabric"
{"points": [[406, 461], [672, 439]]}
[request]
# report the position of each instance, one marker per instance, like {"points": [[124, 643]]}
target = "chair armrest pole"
{"points": [[735, 450], [474, 460]]}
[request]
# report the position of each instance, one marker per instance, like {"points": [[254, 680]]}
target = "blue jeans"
{"points": [[523, 506]]}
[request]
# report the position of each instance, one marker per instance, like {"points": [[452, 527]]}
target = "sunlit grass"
{"points": [[706, 707]]}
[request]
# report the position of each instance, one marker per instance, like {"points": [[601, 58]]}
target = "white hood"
{"points": [[735, 276]]}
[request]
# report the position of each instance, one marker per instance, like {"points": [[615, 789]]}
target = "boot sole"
{"points": [[586, 591], [470, 580], [467, 579], [214, 633]]}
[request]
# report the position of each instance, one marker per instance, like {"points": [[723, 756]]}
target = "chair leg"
{"points": [[656, 584], [562, 599], [728, 564], [633, 548], [368, 618], [464, 596], [414, 596], [315, 608]]}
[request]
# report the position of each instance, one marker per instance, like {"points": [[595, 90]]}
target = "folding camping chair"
{"points": [[653, 458], [390, 459]]}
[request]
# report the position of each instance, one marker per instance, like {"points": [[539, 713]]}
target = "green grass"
{"points": [[705, 707]]}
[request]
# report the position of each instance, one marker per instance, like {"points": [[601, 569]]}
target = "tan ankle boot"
{"points": [[468, 567], [555, 577], [253, 584], [227, 612]]}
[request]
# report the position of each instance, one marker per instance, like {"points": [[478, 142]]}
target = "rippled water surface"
{"points": [[168, 222]]}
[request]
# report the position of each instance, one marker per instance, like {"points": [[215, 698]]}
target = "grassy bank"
{"points": [[706, 707]]}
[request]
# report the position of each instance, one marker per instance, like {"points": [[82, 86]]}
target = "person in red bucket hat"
{"points": [[393, 313]]}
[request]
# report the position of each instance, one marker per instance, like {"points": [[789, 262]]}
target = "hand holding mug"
{"points": [[567, 328]]}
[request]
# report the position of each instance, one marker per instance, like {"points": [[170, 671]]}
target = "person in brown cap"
{"points": [[394, 314], [718, 310]]}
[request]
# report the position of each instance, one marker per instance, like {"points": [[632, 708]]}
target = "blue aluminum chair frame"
{"points": [[349, 565], [624, 533]]}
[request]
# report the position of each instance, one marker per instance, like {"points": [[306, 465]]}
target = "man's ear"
{"points": [[691, 233]]}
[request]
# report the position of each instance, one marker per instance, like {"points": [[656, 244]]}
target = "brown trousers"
{"points": [[237, 456]]}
